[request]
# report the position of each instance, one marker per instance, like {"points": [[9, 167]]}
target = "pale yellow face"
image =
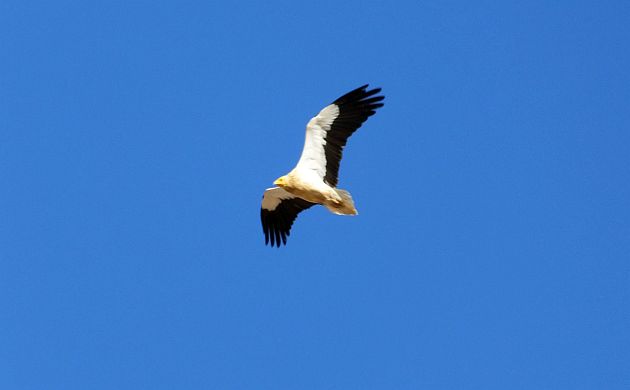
{"points": [[281, 181]]}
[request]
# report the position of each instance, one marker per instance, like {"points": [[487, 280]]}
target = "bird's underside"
{"points": [[314, 179]]}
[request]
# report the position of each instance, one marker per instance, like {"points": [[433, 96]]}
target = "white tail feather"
{"points": [[345, 206]]}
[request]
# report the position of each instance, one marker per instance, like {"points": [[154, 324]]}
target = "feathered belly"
{"points": [[309, 190], [309, 194]]}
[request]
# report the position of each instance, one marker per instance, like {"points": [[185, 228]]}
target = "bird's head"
{"points": [[281, 181]]}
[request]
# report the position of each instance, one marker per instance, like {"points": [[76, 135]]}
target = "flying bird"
{"points": [[314, 179]]}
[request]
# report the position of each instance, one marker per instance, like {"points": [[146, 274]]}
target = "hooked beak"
{"points": [[279, 182]]}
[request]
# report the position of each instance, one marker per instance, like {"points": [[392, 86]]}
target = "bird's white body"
{"points": [[307, 185]]}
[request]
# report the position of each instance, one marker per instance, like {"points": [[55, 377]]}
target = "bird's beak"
{"points": [[279, 182]]}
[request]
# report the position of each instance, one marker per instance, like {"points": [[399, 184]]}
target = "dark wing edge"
{"points": [[354, 109], [276, 223]]}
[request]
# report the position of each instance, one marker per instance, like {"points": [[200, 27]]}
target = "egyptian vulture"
{"points": [[314, 178]]}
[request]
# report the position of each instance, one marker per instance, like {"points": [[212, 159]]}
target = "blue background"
{"points": [[492, 246]]}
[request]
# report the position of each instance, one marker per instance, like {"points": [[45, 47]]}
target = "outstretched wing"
{"points": [[279, 210], [328, 132]]}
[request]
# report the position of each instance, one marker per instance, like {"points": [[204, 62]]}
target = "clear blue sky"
{"points": [[492, 249]]}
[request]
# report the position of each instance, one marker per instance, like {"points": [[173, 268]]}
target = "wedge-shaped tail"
{"points": [[343, 207]]}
